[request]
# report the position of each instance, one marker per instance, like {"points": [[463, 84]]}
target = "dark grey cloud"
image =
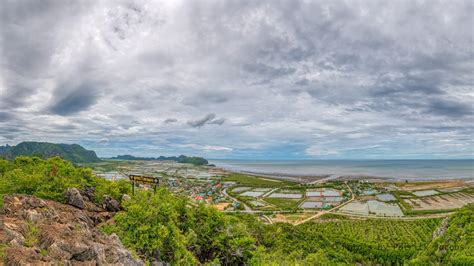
{"points": [[170, 120], [268, 71], [205, 97], [67, 102], [449, 108], [6, 116], [207, 119]]}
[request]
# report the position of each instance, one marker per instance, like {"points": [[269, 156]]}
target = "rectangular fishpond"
{"points": [[285, 196], [311, 204], [253, 194], [385, 197], [422, 193]]}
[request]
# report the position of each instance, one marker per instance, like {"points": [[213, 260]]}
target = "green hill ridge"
{"points": [[71, 152]]}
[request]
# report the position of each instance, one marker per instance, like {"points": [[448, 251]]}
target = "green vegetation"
{"points": [[346, 241], [254, 181], [44, 252], [2, 251], [284, 204], [192, 160], [161, 226], [51, 178], [456, 245], [74, 152], [332, 216], [31, 236], [166, 227]]}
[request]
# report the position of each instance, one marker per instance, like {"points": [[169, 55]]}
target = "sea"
{"points": [[396, 169]]}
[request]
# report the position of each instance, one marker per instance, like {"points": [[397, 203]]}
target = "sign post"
{"points": [[145, 180]]}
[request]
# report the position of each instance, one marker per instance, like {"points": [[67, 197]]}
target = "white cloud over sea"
{"points": [[240, 79]]}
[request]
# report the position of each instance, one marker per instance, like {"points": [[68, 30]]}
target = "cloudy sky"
{"points": [[240, 79]]}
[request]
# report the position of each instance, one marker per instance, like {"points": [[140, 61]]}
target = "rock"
{"points": [[21, 256], [89, 192], [67, 235], [74, 198], [110, 204], [126, 197]]}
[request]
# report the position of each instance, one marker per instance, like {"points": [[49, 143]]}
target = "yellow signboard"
{"points": [[144, 179]]}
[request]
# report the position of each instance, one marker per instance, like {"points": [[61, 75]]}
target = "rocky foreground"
{"points": [[46, 232]]}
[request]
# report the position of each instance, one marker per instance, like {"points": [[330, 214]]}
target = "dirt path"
{"points": [[328, 211]]}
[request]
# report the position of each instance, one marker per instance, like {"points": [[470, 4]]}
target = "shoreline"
{"points": [[368, 178]]}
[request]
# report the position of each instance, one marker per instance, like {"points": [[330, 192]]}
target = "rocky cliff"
{"points": [[37, 231]]}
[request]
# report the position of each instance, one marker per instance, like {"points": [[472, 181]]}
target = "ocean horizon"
{"points": [[419, 169]]}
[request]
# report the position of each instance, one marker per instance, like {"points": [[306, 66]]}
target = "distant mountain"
{"points": [[179, 159], [71, 152]]}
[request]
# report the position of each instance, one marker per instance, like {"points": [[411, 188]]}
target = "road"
{"points": [[246, 208], [328, 211]]}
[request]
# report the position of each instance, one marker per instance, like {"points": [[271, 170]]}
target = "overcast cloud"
{"points": [[240, 79]]}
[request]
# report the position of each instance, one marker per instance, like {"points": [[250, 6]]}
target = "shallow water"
{"points": [[400, 169]]}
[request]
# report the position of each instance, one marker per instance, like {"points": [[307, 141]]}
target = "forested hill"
{"points": [[179, 159], [71, 152]]}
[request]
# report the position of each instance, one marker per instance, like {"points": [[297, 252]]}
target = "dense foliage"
{"points": [[454, 246], [73, 152], [192, 160], [165, 227], [51, 178], [347, 241]]}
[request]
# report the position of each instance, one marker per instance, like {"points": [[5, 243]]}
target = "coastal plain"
{"points": [[300, 199]]}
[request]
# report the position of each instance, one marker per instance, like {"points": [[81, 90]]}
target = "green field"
{"points": [[284, 204]]}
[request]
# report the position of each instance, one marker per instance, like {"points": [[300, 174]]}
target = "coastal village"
{"points": [[294, 200]]}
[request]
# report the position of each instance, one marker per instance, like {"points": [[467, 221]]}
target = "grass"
{"points": [[255, 181], [44, 252], [285, 204], [31, 237], [2, 252]]}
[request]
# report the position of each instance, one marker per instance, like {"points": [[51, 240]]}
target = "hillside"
{"points": [[71, 152]]}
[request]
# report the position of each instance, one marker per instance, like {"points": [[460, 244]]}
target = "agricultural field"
{"points": [[282, 203], [396, 240], [292, 218], [440, 202], [372, 207]]}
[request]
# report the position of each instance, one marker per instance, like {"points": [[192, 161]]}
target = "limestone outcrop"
{"points": [[46, 232]]}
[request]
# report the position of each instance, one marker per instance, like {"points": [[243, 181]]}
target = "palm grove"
{"points": [[167, 227]]}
